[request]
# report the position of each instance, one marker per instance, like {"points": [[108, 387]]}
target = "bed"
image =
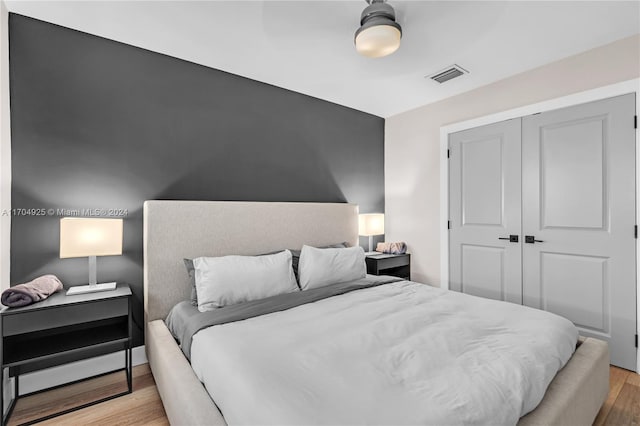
{"points": [[174, 230]]}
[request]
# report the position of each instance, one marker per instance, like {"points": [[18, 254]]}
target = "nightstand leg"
{"points": [[12, 404], [2, 419], [130, 349], [128, 362]]}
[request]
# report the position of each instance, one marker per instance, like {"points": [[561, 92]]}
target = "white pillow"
{"points": [[227, 280], [321, 267]]}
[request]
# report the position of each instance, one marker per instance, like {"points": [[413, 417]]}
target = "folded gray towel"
{"points": [[33, 291], [392, 248]]}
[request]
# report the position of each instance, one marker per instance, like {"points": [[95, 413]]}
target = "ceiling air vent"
{"points": [[449, 73]]}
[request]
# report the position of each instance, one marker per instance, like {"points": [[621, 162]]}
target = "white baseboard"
{"points": [[43, 379]]}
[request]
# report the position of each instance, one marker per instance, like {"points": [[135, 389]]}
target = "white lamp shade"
{"points": [[378, 41], [84, 237], [371, 224]]}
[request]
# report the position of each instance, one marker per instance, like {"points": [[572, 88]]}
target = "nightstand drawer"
{"points": [[397, 265], [391, 262], [27, 322]]}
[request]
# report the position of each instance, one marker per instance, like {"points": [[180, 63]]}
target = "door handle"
{"points": [[512, 238], [530, 239]]}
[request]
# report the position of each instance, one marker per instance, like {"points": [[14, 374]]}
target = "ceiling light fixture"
{"points": [[379, 34]]}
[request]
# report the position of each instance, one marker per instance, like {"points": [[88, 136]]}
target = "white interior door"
{"points": [[578, 204], [484, 205]]}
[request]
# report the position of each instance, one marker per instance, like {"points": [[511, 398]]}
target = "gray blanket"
{"points": [[185, 321], [33, 291]]}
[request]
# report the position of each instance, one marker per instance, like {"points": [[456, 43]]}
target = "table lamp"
{"points": [[369, 225], [90, 237]]}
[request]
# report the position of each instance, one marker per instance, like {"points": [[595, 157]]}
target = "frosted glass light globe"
{"points": [[378, 41]]}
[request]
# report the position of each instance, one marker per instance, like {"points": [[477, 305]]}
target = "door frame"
{"points": [[610, 91]]}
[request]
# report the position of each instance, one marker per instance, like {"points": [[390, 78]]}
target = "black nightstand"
{"points": [[63, 329], [397, 265]]}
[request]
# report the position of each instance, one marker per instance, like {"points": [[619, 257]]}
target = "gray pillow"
{"points": [[191, 270]]}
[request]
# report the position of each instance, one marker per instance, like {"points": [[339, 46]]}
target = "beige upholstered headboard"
{"points": [[174, 230]]}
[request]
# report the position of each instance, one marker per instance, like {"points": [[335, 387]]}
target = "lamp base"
{"points": [[91, 288]]}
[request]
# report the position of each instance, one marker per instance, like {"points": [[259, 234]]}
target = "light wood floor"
{"points": [[143, 406], [622, 407]]}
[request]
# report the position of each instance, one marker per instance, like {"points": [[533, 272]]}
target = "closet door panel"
{"points": [[484, 194], [578, 201]]}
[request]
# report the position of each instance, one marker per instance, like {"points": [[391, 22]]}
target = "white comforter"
{"points": [[401, 353]]}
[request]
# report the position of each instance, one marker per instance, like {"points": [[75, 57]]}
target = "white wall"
{"points": [[412, 140], [5, 149]]}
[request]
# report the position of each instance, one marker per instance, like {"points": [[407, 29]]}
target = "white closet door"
{"points": [[484, 205], [578, 203]]}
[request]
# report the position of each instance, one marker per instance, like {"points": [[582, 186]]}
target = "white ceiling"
{"points": [[307, 46]]}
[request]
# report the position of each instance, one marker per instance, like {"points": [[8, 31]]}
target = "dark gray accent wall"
{"points": [[98, 124]]}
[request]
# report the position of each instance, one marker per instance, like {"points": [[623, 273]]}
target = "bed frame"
{"points": [[174, 230]]}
